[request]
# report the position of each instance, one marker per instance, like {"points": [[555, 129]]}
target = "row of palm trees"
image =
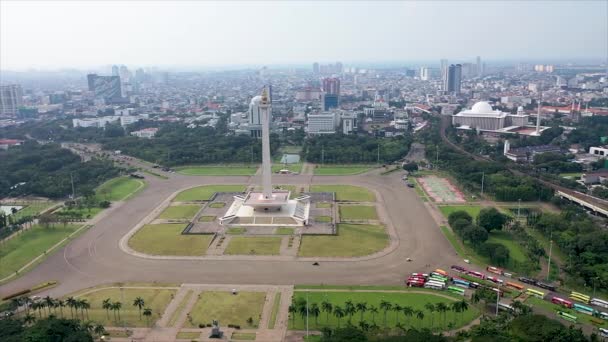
{"points": [[49, 306], [350, 309]]}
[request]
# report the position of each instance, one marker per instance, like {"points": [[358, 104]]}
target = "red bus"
{"points": [[415, 283], [416, 279], [494, 280], [515, 286], [495, 270], [562, 302], [422, 275], [477, 274]]}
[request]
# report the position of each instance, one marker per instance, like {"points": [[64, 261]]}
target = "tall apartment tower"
{"points": [[479, 67], [424, 74], [11, 98], [451, 83], [315, 68], [331, 93]]}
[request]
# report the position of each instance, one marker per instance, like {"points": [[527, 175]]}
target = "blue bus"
{"points": [[461, 283], [584, 309]]}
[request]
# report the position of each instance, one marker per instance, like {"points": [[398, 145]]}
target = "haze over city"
{"points": [[70, 34]]}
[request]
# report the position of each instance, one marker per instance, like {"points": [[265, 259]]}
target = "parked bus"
{"points": [[515, 286], [535, 293], [527, 280], [604, 315], [477, 274], [474, 285], [506, 307], [603, 332], [567, 316], [584, 309], [494, 270], [459, 269], [546, 286], [438, 277], [599, 302], [580, 297], [442, 272], [423, 275], [434, 285], [456, 290], [562, 302], [494, 280], [415, 283], [461, 283]]}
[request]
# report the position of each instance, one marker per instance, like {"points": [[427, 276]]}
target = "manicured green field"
{"points": [[352, 240], [227, 308], [31, 208], [347, 193], [516, 252], [182, 305], [275, 310], [582, 318], [253, 245], [472, 210], [179, 212], [336, 170], [283, 231], [358, 212], [208, 218], [188, 335], [297, 167], [236, 230], [155, 299], [447, 232], [571, 175], [218, 170], [217, 205], [204, 193], [323, 219], [85, 213], [119, 189], [416, 301], [23, 248], [166, 239]]}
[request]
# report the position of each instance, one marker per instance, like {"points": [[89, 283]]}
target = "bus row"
{"points": [[588, 300], [480, 275], [579, 307]]}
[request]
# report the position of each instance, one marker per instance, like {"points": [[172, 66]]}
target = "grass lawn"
{"points": [[217, 205], [239, 336], [516, 252], [352, 240], [206, 219], [295, 167], [447, 232], [258, 245], [341, 170], [472, 210], [119, 189], [323, 205], [218, 170], [236, 230], [155, 299], [416, 301], [23, 248], [227, 308], [347, 193], [31, 209], [358, 212], [188, 335], [283, 231], [85, 213], [180, 308], [166, 239], [323, 219], [179, 212], [204, 193], [275, 310], [582, 318]]}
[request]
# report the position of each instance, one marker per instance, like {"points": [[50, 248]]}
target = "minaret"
{"points": [[266, 166]]}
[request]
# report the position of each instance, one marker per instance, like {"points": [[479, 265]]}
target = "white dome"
{"points": [[482, 108]]}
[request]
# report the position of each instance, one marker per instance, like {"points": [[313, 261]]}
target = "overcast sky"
{"points": [[51, 34]]}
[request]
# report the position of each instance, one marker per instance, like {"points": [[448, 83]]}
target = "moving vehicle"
{"points": [[494, 270], [599, 302], [535, 293], [562, 302], [477, 274], [546, 286], [515, 286]]}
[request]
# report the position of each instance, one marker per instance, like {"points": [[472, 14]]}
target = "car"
{"points": [[410, 185], [408, 259]]}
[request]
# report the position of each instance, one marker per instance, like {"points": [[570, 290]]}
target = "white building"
{"points": [[322, 123], [147, 133], [127, 120], [254, 117], [348, 123], [95, 122], [11, 98], [482, 117], [424, 74], [599, 151]]}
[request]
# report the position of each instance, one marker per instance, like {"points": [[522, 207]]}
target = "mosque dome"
{"points": [[482, 108]]}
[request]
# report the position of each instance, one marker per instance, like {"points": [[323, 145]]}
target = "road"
{"points": [[95, 257]]}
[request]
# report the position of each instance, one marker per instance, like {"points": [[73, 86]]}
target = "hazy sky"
{"points": [[49, 34]]}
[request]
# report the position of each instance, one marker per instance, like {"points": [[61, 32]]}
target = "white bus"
{"points": [[603, 332], [599, 302], [434, 285], [503, 306]]}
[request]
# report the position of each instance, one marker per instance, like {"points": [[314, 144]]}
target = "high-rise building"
{"points": [[443, 68], [11, 98], [322, 123], [339, 67], [115, 71], [479, 67], [105, 87], [424, 74], [315, 67], [331, 93], [454, 78]]}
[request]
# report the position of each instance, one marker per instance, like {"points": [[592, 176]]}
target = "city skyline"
{"points": [[207, 34]]}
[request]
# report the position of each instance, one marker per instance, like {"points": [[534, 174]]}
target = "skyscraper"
{"points": [[115, 71], [331, 93], [454, 77], [479, 67], [11, 98], [339, 67], [315, 67], [424, 73], [105, 87]]}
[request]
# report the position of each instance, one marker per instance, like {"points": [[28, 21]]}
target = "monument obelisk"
{"points": [[266, 164]]}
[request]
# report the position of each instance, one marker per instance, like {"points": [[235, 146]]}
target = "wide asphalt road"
{"points": [[95, 257]]}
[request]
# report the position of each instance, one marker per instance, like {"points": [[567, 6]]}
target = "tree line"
{"points": [[352, 149]]}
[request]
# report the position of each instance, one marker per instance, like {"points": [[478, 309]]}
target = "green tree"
{"points": [[107, 305], [385, 306], [339, 313], [490, 219], [315, 311], [327, 307], [139, 303], [361, 308], [459, 215], [148, 314]]}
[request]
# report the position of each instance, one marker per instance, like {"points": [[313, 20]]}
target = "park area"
{"points": [[346, 193], [119, 189], [179, 212], [218, 170], [167, 239], [228, 308], [155, 299], [358, 212], [353, 240], [19, 250], [204, 193], [441, 190], [250, 245], [341, 170], [368, 307]]}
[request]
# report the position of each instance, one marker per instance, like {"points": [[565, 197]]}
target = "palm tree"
{"points": [[147, 313], [29, 318], [339, 313], [397, 308], [386, 306], [16, 303], [315, 311], [401, 327], [407, 312], [420, 315], [37, 306], [139, 302], [441, 307], [107, 305], [451, 326], [27, 301], [464, 306], [361, 307], [116, 306], [431, 308], [349, 309], [327, 308], [49, 303], [85, 305], [364, 326], [71, 302], [373, 310], [99, 330], [61, 304], [292, 311]]}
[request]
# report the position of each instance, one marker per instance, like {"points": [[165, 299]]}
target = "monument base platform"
{"points": [[280, 211]]}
